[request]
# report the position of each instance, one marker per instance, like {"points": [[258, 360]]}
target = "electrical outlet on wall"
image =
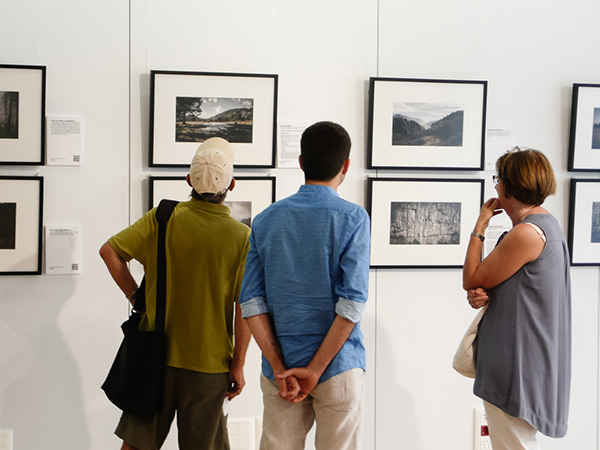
{"points": [[481, 433], [242, 433], [6, 440]]}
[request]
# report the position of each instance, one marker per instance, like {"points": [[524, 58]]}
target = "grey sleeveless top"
{"points": [[524, 338]]}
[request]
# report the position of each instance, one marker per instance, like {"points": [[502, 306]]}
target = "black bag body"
{"points": [[136, 379], [135, 382]]}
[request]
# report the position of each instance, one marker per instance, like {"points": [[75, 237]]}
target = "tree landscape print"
{"points": [[200, 118], [596, 130], [425, 223], [427, 124], [9, 115]]}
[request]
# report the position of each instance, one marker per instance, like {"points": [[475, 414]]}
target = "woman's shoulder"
{"points": [[543, 220], [523, 232]]}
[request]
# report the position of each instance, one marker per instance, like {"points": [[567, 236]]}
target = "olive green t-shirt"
{"points": [[206, 250]]}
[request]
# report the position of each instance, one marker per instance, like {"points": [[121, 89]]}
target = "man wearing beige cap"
{"points": [[206, 249]]}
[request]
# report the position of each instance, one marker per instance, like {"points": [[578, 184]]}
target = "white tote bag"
{"points": [[464, 358]]}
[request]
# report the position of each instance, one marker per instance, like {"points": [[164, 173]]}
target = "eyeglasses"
{"points": [[495, 179]]}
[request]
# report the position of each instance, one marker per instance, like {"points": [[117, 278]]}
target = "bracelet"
{"points": [[477, 235], [131, 297]]}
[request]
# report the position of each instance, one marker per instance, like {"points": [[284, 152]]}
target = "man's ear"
{"points": [[346, 166], [189, 180], [232, 185], [300, 162]]}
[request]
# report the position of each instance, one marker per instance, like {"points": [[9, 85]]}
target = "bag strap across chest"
{"points": [[163, 214]]}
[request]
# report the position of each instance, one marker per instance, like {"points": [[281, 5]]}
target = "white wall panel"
{"points": [[60, 333], [421, 403], [526, 52]]}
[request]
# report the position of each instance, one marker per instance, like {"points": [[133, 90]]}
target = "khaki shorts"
{"points": [[198, 399]]}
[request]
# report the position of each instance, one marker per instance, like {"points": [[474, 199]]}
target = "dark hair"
{"points": [[526, 175], [210, 198], [324, 147]]}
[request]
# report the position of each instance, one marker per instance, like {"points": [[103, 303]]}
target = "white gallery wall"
{"points": [[59, 334]]}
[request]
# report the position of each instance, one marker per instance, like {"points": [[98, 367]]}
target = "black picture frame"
{"points": [[239, 107], [584, 222], [400, 238], [584, 133], [252, 194], [426, 124], [21, 223], [22, 115]]}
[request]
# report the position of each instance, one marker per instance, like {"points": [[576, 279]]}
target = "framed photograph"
{"points": [[584, 222], [426, 124], [186, 108], [250, 196], [22, 112], [21, 200], [584, 139], [422, 222]]}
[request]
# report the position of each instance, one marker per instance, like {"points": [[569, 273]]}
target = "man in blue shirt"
{"points": [[303, 293]]}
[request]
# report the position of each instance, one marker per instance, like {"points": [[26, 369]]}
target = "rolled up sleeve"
{"points": [[254, 307], [349, 310], [253, 296]]}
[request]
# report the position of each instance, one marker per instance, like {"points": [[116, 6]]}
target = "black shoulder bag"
{"points": [[135, 382]]}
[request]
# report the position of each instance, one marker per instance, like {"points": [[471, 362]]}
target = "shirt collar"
{"points": [[313, 188], [209, 207]]}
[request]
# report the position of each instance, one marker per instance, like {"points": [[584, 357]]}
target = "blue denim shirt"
{"points": [[308, 261]]}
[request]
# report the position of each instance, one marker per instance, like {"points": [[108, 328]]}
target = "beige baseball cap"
{"points": [[211, 169]]}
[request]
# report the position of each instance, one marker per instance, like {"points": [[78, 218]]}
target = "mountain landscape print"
{"points": [[200, 118], [428, 124], [596, 130], [240, 211]]}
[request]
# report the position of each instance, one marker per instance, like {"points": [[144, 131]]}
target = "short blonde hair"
{"points": [[526, 175]]}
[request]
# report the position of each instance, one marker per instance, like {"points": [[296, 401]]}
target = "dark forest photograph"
{"points": [[8, 225], [9, 115]]}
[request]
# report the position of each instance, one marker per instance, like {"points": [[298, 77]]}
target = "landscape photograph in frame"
{"points": [[584, 135], [422, 222], [426, 124], [21, 208], [187, 108], [22, 115]]}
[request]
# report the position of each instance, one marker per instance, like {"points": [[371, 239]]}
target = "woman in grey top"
{"points": [[524, 339]]}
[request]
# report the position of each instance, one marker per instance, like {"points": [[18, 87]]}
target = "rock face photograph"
{"points": [[9, 115], [200, 118], [425, 223], [596, 222], [596, 130], [428, 124]]}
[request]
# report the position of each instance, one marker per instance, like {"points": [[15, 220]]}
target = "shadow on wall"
{"points": [[40, 385], [398, 428]]}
